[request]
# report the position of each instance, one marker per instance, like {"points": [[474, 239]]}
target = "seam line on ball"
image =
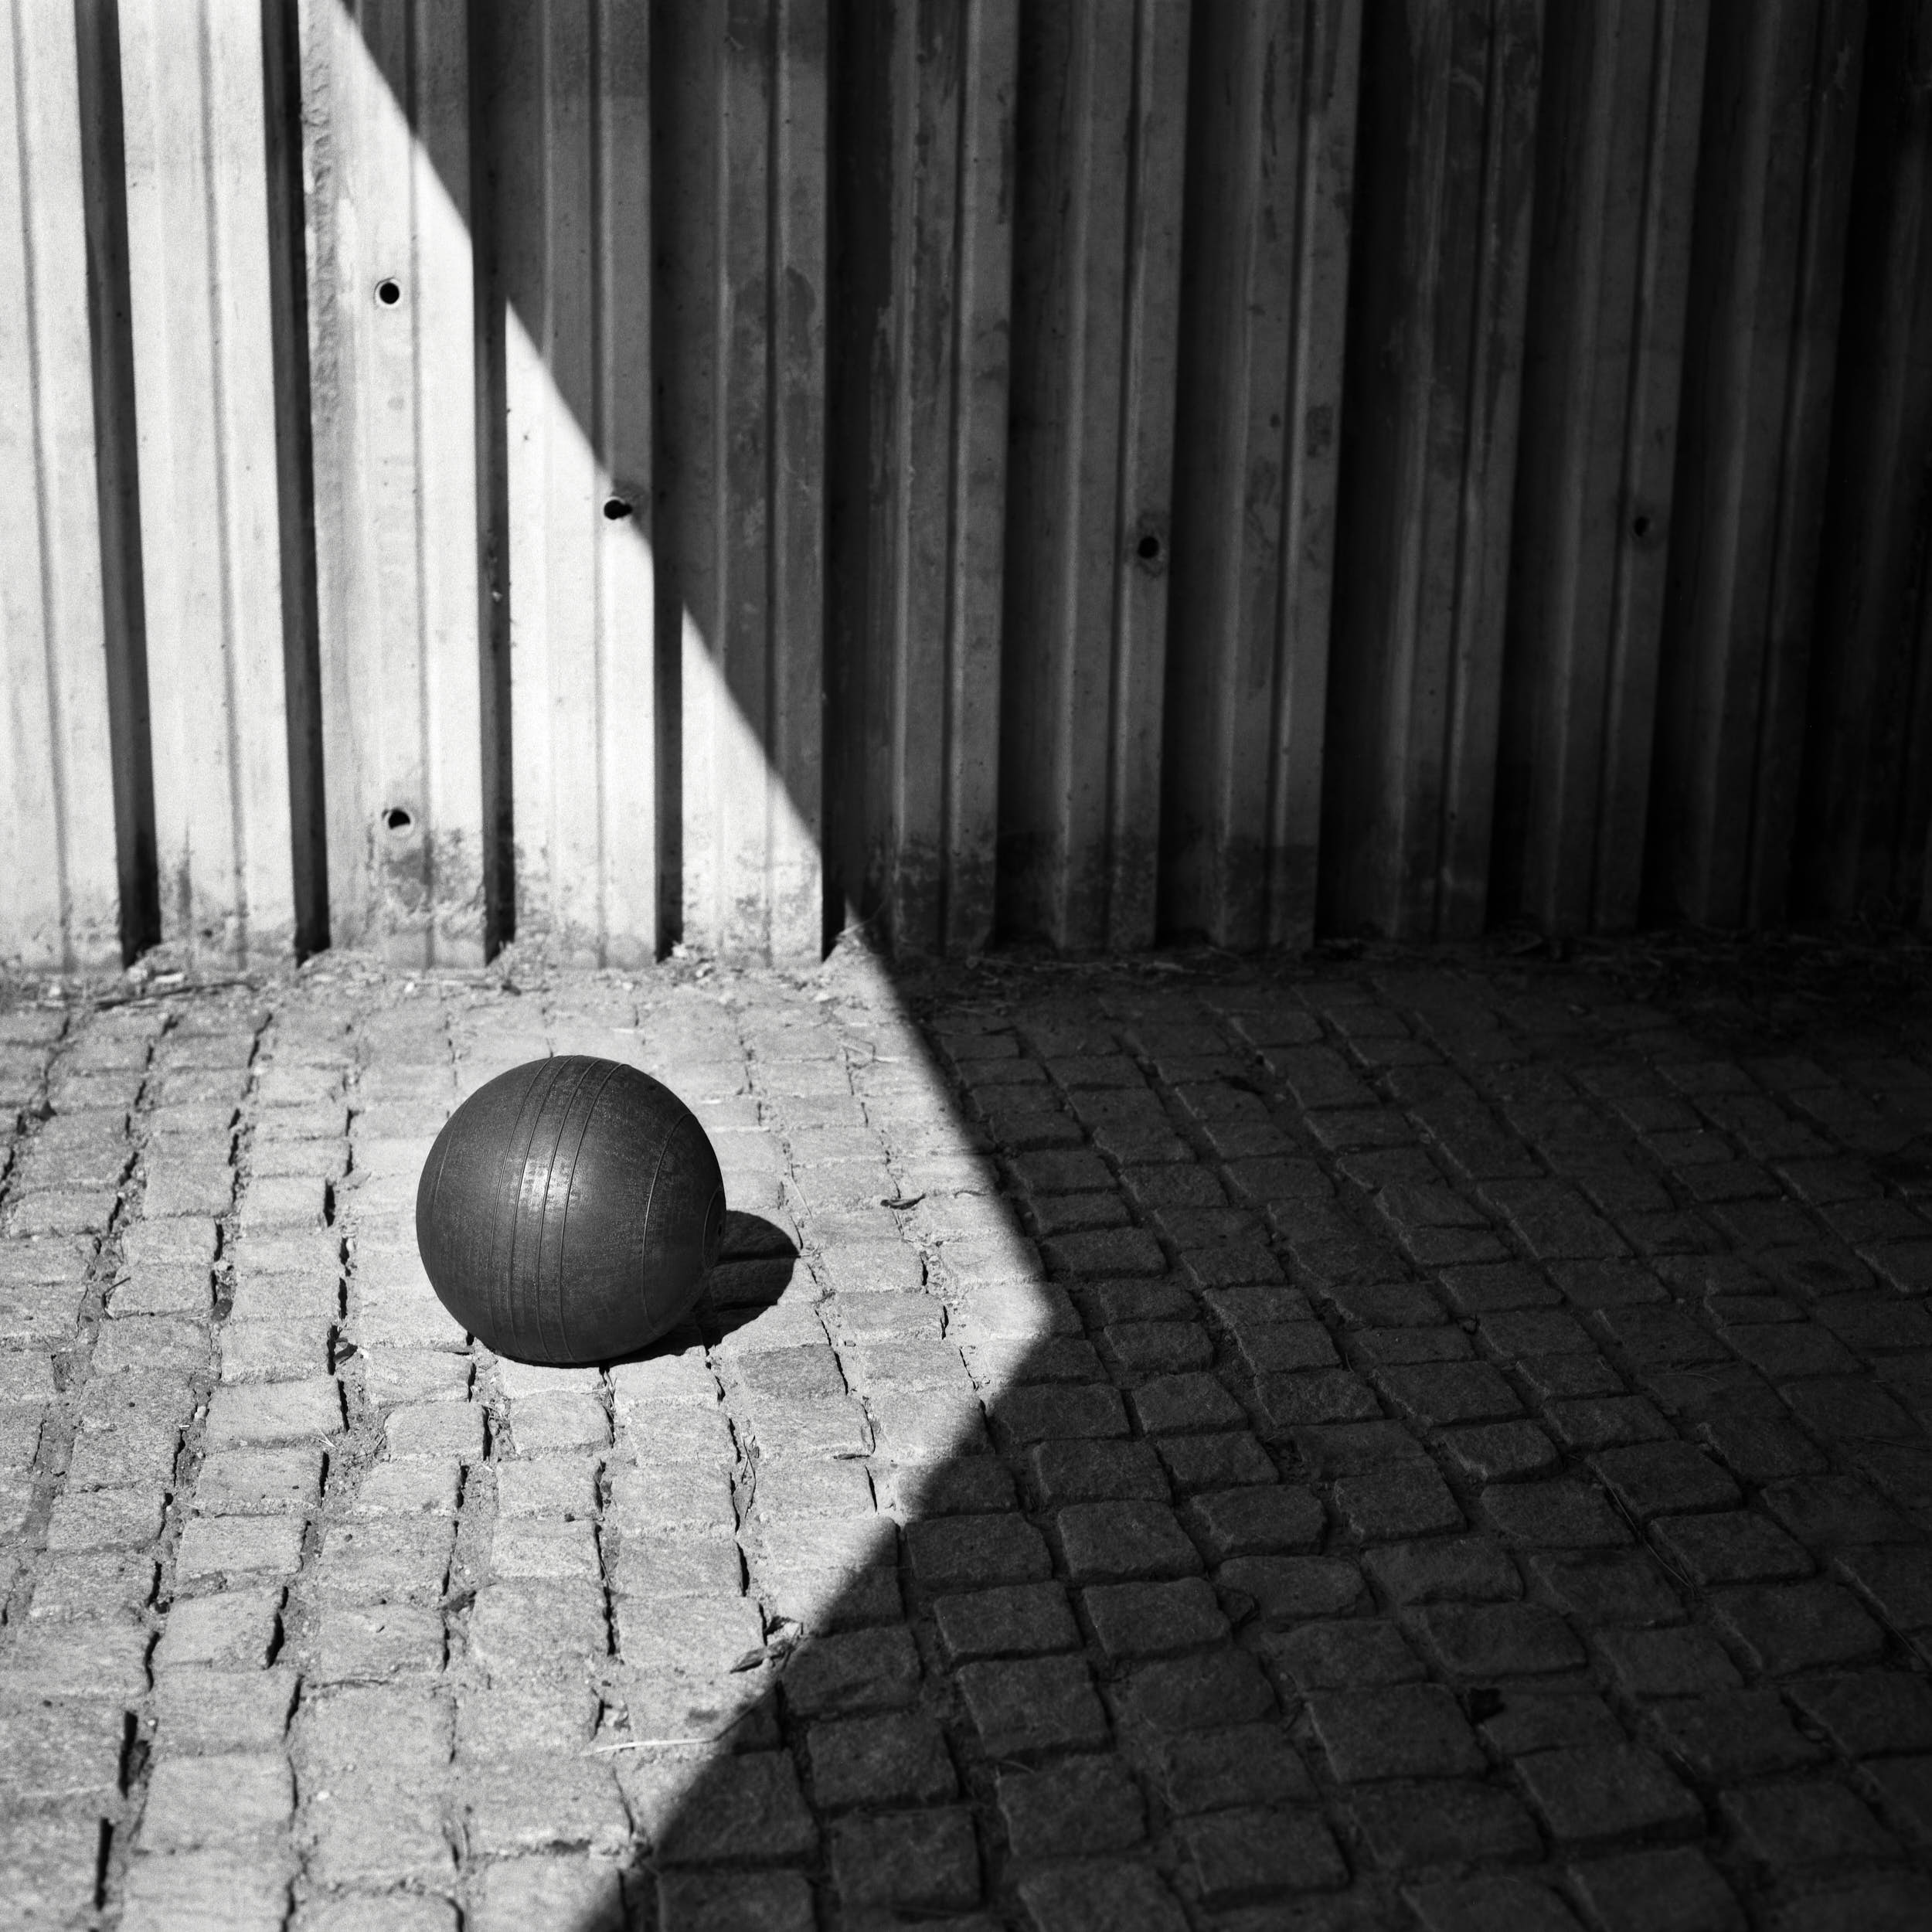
{"points": [[607, 1072]]}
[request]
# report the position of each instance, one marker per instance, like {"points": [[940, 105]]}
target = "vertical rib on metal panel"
{"points": [[57, 850], [386, 88], [1449, 106], [570, 142], [1768, 253], [741, 188], [1101, 139], [1622, 94], [1273, 122], [199, 238], [1862, 821], [941, 466]]}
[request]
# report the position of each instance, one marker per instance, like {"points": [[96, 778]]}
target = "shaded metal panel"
{"points": [[1099, 143], [385, 95], [192, 81], [741, 188], [570, 145], [61, 907], [1767, 255], [1449, 111], [1862, 824], [937, 481], [1265, 293], [1622, 97]]}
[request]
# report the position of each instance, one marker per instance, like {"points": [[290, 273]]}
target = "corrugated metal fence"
{"points": [[1102, 470]]}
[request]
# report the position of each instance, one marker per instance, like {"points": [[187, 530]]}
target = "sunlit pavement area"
{"points": [[1381, 1444]]}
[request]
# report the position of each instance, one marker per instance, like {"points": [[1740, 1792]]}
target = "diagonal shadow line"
{"points": [[874, 1653], [709, 444]]}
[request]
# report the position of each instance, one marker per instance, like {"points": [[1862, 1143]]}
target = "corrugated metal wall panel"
{"points": [[923, 202], [1011, 469], [1431, 412], [1271, 180], [1622, 103], [192, 79], [1100, 145], [1767, 255], [570, 140], [741, 188], [1866, 795], [393, 370], [57, 831]]}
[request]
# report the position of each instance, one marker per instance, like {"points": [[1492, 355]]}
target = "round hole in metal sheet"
{"points": [[389, 292], [397, 819], [1149, 548], [616, 508]]}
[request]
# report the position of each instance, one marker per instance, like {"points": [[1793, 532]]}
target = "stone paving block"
{"points": [[52, 1753], [436, 1429], [1347, 1655], [1286, 1402], [584, 1892], [1078, 1807], [859, 1671], [386, 1560], [1086, 1896], [216, 1550], [1484, 1641], [1559, 1515], [427, 1488], [105, 1520], [956, 1554], [1027, 1707], [1812, 1821], [1231, 1857], [1153, 1619], [923, 1861], [1594, 1798], [1417, 1826], [1459, 1569], [539, 1803], [220, 1890], [1272, 1519], [262, 1414], [760, 1902], [1195, 1465], [1868, 1713], [87, 1584], [1499, 1452], [1678, 1890], [896, 1759], [234, 1482], [235, 1631], [400, 1839], [1782, 1629], [1406, 1731], [1194, 1692], [197, 1710], [1404, 1499], [1670, 1663], [1605, 1422], [1652, 1479], [1475, 1905], [231, 1801], [1725, 1737], [1109, 1541], [1283, 1591], [1518, 1722], [1021, 1620]]}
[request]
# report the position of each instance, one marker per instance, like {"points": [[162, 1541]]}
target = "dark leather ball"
{"points": [[569, 1211]]}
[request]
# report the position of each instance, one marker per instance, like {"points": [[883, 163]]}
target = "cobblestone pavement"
{"points": [[1402, 1447]]}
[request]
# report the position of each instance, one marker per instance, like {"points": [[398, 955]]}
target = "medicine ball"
{"points": [[569, 1211]]}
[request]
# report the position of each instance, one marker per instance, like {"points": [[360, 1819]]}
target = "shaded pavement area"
{"points": [[1382, 1443]]}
